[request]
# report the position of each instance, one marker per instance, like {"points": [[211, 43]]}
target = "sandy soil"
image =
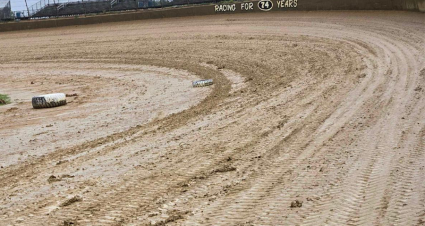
{"points": [[315, 118]]}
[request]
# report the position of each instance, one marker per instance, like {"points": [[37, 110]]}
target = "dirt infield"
{"points": [[314, 118]]}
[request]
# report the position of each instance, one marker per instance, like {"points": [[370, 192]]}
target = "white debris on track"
{"points": [[202, 83]]}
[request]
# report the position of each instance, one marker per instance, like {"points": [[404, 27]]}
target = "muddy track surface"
{"points": [[315, 118]]}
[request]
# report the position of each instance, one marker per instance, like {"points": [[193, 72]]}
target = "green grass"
{"points": [[5, 98]]}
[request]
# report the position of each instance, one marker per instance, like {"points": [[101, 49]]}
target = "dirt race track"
{"points": [[315, 118]]}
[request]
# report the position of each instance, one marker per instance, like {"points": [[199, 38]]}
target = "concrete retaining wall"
{"points": [[413, 5]]}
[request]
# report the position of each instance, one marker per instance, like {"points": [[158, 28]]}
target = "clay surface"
{"points": [[314, 118]]}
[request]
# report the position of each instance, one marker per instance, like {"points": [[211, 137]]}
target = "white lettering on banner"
{"points": [[246, 6], [225, 8], [287, 4], [265, 5]]}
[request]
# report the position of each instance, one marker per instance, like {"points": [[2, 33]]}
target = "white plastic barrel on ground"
{"points": [[201, 83], [49, 100]]}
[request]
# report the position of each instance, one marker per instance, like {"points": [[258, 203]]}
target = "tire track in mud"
{"points": [[242, 157], [374, 185], [104, 141], [105, 144], [122, 192], [375, 180], [377, 186]]}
